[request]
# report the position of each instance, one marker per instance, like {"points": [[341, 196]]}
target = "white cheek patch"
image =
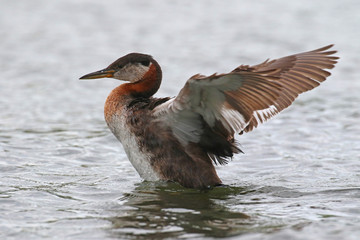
{"points": [[132, 72]]}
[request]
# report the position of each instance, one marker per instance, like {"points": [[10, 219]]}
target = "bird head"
{"points": [[131, 68]]}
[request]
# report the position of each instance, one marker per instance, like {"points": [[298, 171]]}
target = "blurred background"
{"points": [[63, 174]]}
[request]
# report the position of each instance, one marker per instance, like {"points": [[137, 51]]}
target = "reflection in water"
{"points": [[163, 210]]}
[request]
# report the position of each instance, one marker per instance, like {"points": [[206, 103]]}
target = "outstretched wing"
{"points": [[209, 110], [297, 73]]}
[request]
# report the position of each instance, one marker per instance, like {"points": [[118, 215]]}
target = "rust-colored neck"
{"points": [[147, 85], [145, 88]]}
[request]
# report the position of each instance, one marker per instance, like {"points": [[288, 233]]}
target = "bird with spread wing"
{"points": [[180, 139]]}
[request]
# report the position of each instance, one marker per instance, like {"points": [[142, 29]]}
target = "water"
{"points": [[64, 176]]}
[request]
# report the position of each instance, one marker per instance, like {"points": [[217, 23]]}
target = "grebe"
{"points": [[180, 139]]}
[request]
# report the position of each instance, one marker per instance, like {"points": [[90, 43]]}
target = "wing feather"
{"points": [[209, 110]]}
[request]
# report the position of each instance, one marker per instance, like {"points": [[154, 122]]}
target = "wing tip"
{"points": [[323, 50]]}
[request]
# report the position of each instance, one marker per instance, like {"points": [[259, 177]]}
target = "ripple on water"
{"points": [[63, 175]]}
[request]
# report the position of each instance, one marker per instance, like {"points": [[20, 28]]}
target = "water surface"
{"points": [[64, 176]]}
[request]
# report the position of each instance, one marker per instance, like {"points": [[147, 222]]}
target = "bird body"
{"points": [[120, 125], [181, 138]]}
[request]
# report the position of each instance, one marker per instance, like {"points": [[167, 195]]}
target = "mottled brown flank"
{"points": [[190, 166]]}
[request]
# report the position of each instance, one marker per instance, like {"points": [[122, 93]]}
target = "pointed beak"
{"points": [[105, 73]]}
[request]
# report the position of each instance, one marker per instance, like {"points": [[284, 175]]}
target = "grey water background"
{"points": [[64, 176]]}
